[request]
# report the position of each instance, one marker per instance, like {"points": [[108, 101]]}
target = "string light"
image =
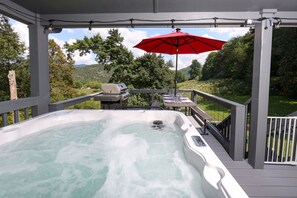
{"points": [[50, 26], [132, 25], [172, 25], [252, 30], [51, 29], [248, 22], [279, 21], [90, 26], [241, 22], [215, 22]]}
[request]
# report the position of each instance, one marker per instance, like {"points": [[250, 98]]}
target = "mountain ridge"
{"points": [[89, 73]]}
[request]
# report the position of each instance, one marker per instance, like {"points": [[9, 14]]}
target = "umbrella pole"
{"points": [[175, 81]]}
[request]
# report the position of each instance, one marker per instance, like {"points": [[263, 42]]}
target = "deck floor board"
{"points": [[275, 181]]}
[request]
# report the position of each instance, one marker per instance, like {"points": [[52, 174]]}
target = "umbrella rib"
{"points": [[156, 46], [215, 48], [147, 42], [189, 43]]}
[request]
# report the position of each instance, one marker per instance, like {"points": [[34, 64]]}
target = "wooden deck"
{"points": [[272, 181]]}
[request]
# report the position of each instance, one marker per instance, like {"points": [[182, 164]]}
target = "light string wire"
{"points": [[87, 22]]}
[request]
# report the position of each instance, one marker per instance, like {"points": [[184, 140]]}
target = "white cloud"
{"points": [[207, 36], [232, 32], [102, 31], [131, 37], [71, 41], [58, 41], [71, 31], [202, 57], [22, 30], [87, 59], [185, 60]]}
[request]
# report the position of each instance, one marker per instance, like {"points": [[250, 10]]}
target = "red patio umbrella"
{"points": [[179, 43]]}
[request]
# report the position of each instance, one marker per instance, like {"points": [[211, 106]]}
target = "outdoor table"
{"points": [[171, 101]]}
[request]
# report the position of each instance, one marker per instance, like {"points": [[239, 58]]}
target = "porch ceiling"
{"points": [[44, 7]]}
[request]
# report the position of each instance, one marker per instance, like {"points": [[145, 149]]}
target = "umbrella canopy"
{"points": [[179, 43]]}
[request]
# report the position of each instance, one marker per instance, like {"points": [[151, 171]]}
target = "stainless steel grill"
{"points": [[113, 96]]}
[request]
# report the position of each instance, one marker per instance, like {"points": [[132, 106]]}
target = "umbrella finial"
{"points": [[177, 29]]}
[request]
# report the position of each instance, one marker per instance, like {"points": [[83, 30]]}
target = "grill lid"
{"points": [[112, 89]]}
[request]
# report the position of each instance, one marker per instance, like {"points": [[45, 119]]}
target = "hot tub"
{"points": [[106, 153]]}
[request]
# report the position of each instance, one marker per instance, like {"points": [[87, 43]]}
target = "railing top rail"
{"points": [[283, 117], [133, 91], [224, 102], [12, 105], [66, 103], [248, 101], [75, 99]]}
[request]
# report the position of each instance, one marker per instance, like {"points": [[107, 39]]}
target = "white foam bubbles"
{"points": [[106, 159]]}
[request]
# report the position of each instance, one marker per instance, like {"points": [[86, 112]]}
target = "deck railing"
{"points": [[232, 139], [281, 142], [224, 127], [281, 138], [229, 131], [20, 108], [73, 101]]}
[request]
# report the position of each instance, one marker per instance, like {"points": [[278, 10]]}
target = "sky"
{"points": [[131, 38]]}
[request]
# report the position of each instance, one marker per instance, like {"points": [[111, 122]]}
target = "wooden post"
{"points": [[13, 92], [12, 85]]}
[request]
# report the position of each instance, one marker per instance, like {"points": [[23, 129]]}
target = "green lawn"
{"points": [[278, 105], [86, 91], [281, 106]]}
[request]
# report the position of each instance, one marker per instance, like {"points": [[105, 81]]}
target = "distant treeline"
{"points": [[235, 62]]}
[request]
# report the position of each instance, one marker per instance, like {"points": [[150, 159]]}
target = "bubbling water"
{"points": [[99, 159]]}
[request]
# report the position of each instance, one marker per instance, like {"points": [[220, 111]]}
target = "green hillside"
{"points": [[185, 71], [91, 73]]}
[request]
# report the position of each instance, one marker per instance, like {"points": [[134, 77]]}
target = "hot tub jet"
{"points": [[158, 124]]}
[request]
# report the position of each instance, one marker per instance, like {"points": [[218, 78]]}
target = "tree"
{"points": [[169, 64], [234, 61], [61, 79], [94, 84], [195, 70], [23, 78], [237, 58], [150, 71], [284, 61], [12, 58], [210, 68], [110, 52], [180, 77]]}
